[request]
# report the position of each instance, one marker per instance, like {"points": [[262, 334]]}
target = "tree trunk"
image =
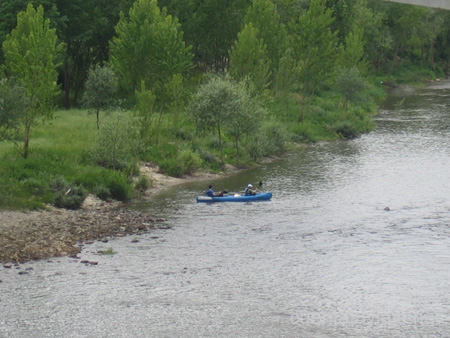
{"points": [[66, 86], [391, 70], [98, 118], [222, 158], [27, 140]]}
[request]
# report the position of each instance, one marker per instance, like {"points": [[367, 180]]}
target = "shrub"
{"points": [[68, 196], [102, 192], [190, 161], [346, 130], [35, 186], [142, 184], [256, 147], [275, 137], [211, 160], [118, 143], [171, 167], [185, 163], [118, 186]]}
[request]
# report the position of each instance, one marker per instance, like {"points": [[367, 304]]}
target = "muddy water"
{"points": [[322, 259]]}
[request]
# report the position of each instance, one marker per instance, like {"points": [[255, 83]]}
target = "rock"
{"points": [[135, 241], [84, 262], [93, 263], [387, 209], [23, 273]]}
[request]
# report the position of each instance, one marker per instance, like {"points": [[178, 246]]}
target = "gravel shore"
{"points": [[59, 232]]}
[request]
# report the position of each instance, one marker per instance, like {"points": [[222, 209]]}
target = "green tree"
{"points": [[101, 86], [144, 110], [31, 56], [86, 28], [249, 61], [351, 86], [177, 97], [9, 10], [267, 22], [215, 105], [315, 48], [211, 27], [12, 106], [149, 46], [353, 50], [403, 22], [246, 119]]}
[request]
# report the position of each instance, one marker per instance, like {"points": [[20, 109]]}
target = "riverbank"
{"points": [[60, 232]]}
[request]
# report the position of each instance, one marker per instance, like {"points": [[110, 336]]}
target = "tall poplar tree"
{"points": [[31, 56], [265, 18], [149, 46], [315, 47], [249, 61]]}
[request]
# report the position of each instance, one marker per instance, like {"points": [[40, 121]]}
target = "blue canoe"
{"points": [[265, 196]]}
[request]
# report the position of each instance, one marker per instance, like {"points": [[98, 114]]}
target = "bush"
{"points": [[210, 159], [118, 186], [118, 143], [190, 161], [68, 196], [102, 192], [275, 137], [346, 130], [35, 186], [185, 163], [256, 147], [171, 167], [142, 184]]}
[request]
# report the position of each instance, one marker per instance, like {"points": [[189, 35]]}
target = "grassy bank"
{"points": [[59, 153], [69, 157]]}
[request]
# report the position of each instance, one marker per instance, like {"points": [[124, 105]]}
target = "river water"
{"points": [[322, 259]]}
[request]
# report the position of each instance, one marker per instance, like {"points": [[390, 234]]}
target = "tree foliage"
{"points": [[101, 87], [249, 60], [12, 106], [144, 110], [315, 47], [219, 105], [31, 57], [266, 20], [149, 46]]}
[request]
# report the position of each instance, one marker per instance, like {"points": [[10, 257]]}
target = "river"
{"points": [[354, 243]]}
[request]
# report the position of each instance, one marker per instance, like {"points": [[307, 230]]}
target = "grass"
{"points": [[57, 149], [62, 149], [109, 251]]}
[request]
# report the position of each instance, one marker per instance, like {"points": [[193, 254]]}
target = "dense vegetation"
{"points": [[191, 84]]}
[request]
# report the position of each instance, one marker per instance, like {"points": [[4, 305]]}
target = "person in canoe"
{"points": [[249, 190], [211, 193]]}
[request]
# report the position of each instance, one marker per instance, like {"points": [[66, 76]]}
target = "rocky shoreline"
{"points": [[56, 232]]}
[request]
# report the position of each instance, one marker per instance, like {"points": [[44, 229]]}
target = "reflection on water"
{"points": [[322, 259]]}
